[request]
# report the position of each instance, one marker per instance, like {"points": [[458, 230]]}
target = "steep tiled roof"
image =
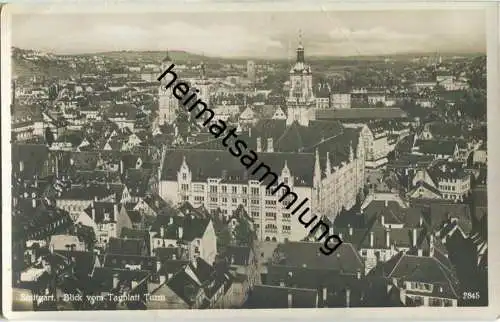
{"points": [[361, 113], [301, 165], [126, 246], [427, 270], [306, 254], [191, 227], [300, 297]]}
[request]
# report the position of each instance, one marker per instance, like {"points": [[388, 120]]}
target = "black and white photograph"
{"points": [[251, 159]]}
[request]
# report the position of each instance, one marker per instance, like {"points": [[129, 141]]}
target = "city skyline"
{"points": [[220, 34]]}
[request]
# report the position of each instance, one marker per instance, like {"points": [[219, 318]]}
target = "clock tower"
{"points": [[167, 103]]}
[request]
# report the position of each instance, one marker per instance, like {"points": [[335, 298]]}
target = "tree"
{"points": [[224, 237], [243, 234]]}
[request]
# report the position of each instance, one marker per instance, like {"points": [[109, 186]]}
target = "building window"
{"points": [[224, 200], [234, 200], [255, 214], [213, 189], [244, 202], [224, 189], [184, 187], [198, 187], [234, 189], [271, 215], [255, 202], [244, 190], [286, 228], [214, 200], [255, 191], [184, 176], [271, 202]]}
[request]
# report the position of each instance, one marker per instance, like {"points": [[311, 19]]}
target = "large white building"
{"points": [[324, 163]]}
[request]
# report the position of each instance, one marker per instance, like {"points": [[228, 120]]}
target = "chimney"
{"points": [[163, 279], [270, 147], [382, 220], [115, 280], [290, 300], [51, 248], [180, 232], [115, 210], [371, 239], [162, 232], [386, 202], [419, 252], [95, 199], [134, 284], [122, 167], [350, 230], [259, 145], [93, 211], [171, 220], [414, 237], [387, 238], [421, 220], [21, 166], [169, 276], [358, 274], [158, 265], [324, 294], [33, 203], [340, 236], [347, 297]]}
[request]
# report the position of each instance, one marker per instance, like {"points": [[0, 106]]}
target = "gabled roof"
{"points": [[191, 227], [126, 246], [307, 255], [361, 114], [426, 270], [275, 297]]}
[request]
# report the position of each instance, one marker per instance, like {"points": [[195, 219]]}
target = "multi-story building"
{"points": [[326, 165], [340, 101], [441, 181]]}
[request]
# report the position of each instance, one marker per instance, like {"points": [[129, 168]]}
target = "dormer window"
{"points": [[184, 176]]}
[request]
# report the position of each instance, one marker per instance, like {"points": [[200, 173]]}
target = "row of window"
{"points": [[284, 228], [224, 189]]}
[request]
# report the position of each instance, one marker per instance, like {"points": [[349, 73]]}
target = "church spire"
{"points": [[167, 58], [300, 49]]}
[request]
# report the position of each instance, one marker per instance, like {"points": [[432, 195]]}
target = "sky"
{"points": [[256, 34]]}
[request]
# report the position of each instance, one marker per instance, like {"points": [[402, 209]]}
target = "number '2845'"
{"points": [[471, 295]]}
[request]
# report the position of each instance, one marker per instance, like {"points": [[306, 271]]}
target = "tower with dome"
{"points": [[300, 101]]}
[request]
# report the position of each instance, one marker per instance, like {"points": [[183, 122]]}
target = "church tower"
{"points": [[300, 100], [167, 103], [203, 85]]}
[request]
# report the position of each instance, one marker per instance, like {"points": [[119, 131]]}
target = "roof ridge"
{"points": [[446, 276]]}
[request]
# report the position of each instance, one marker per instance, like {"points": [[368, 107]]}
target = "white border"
{"points": [[460, 313]]}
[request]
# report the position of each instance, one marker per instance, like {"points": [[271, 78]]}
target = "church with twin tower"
{"points": [[301, 102]]}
